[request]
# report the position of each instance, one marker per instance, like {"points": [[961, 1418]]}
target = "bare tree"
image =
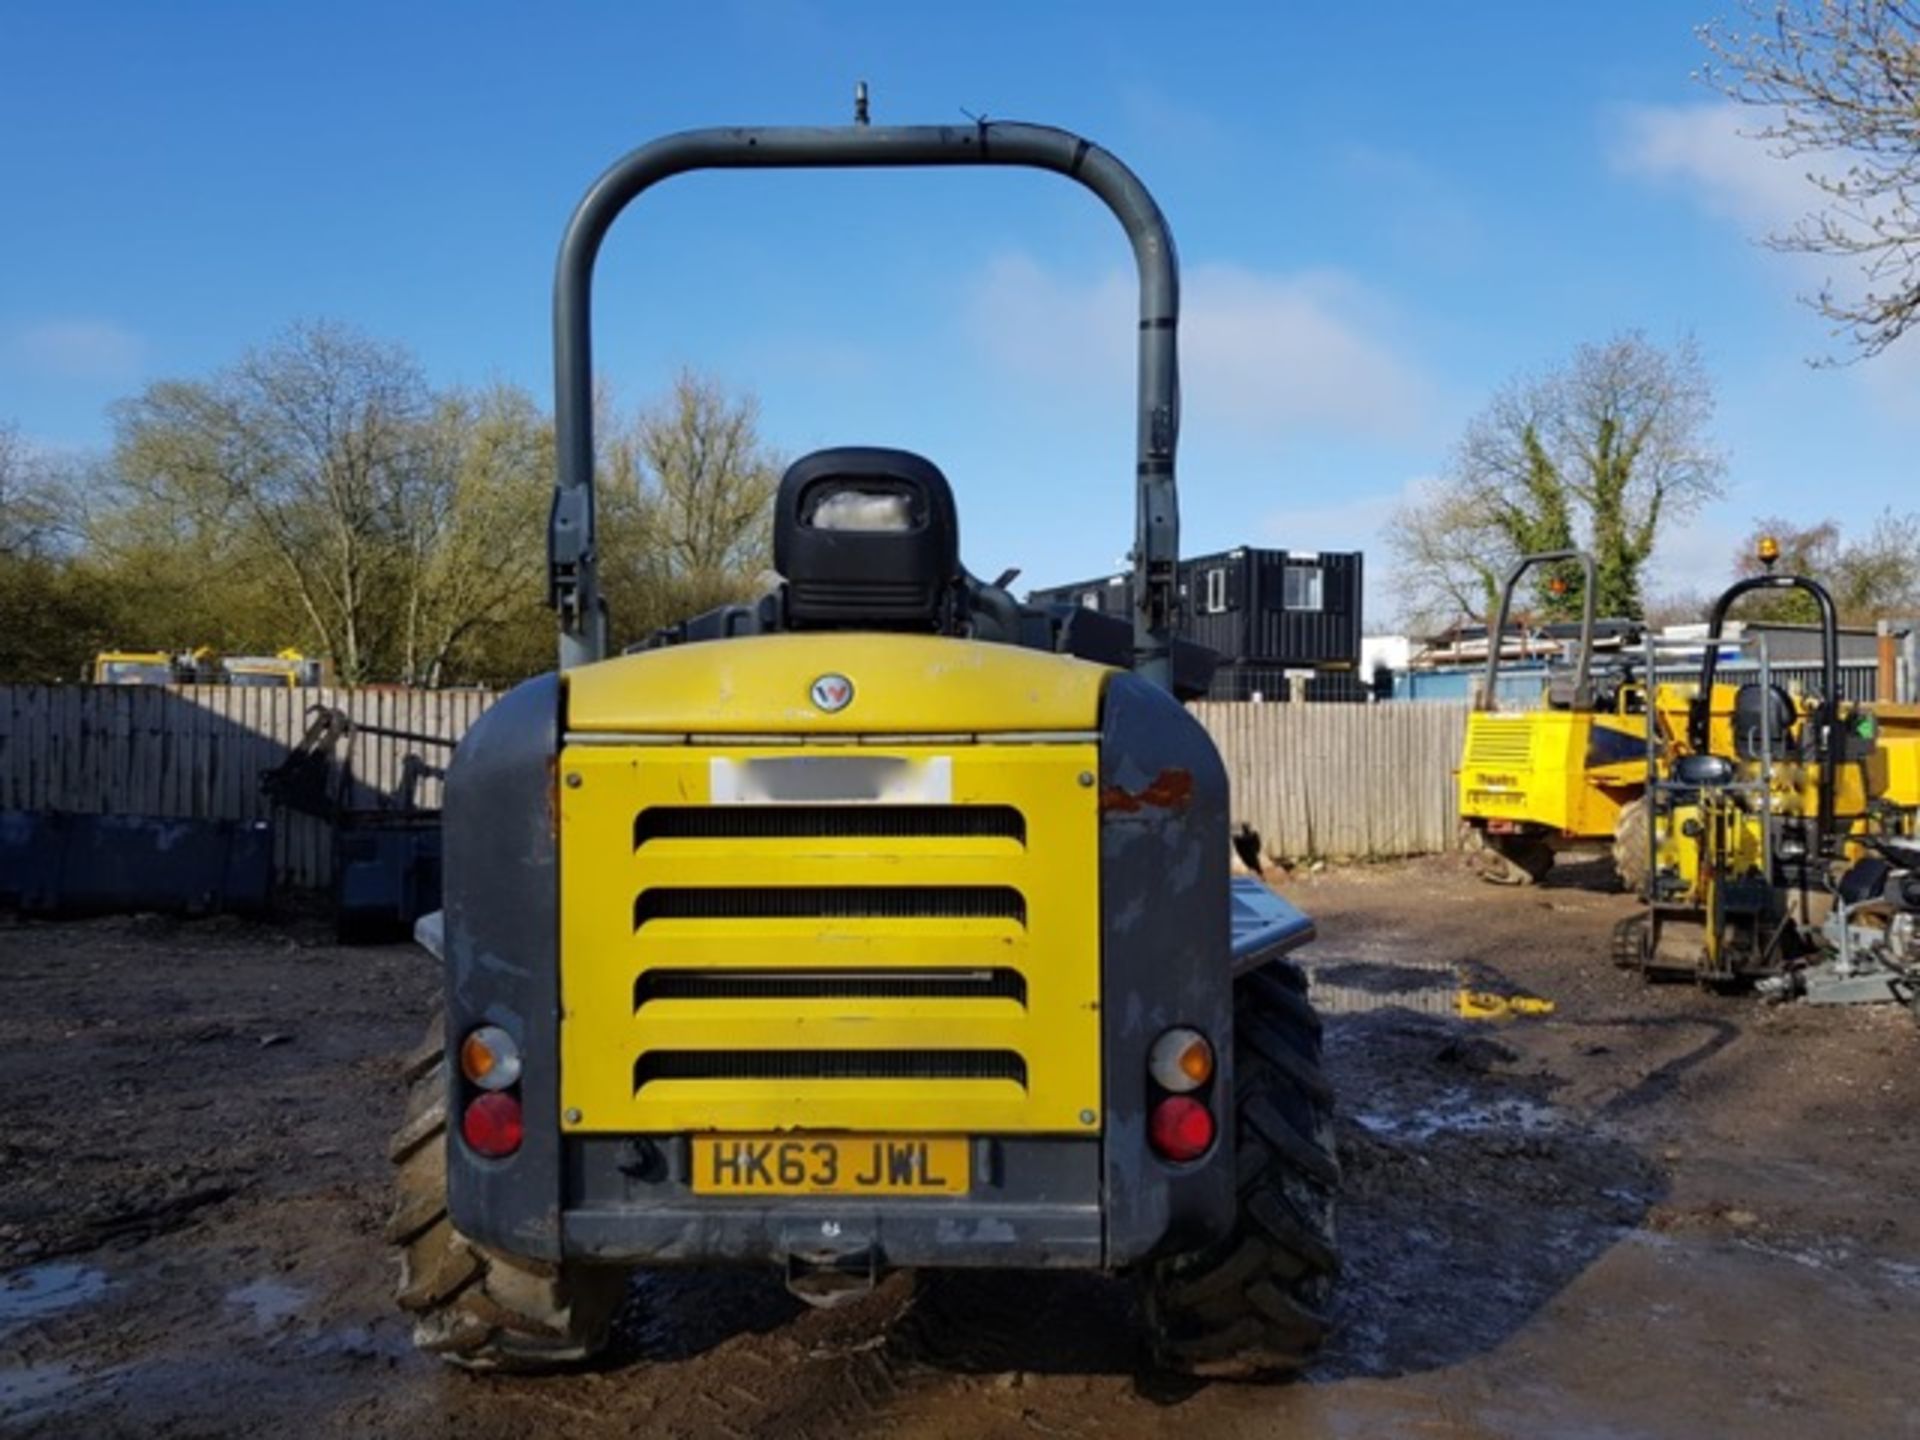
{"points": [[1878, 578], [30, 507], [687, 516], [1455, 543], [1870, 577], [50, 618], [470, 526], [1630, 437], [1503, 498], [307, 449], [1841, 79], [1607, 451], [321, 489]]}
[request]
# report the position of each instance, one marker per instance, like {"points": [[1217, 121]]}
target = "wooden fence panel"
{"points": [[1342, 780], [1314, 780], [198, 752]]}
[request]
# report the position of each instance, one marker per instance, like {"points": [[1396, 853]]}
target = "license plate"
{"points": [[830, 1165]]}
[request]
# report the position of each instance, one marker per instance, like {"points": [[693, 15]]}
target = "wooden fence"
{"points": [[1349, 781], [1314, 780], [198, 752]]}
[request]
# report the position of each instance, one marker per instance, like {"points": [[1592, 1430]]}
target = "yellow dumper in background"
{"points": [[150, 667], [1571, 772], [284, 669]]}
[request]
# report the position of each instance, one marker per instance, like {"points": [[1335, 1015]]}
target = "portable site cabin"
{"points": [[1279, 617]]}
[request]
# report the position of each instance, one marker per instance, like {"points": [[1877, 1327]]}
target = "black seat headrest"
{"points": [[866, 538]]}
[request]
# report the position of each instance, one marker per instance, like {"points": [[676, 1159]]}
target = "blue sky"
{"points": [[1383, 211]]}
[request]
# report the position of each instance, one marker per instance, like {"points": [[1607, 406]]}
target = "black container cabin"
{"points": [[1267, 611]]}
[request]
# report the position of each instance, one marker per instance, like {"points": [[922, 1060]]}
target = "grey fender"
{"points": [[501, 940], [1166, 959]]}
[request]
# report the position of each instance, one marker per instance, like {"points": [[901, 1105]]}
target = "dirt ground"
{"points": [[1653, 1212]]}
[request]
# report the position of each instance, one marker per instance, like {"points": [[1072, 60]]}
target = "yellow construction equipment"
{"points": [[884, 923], [136, 667], [287, 669], [202, 666], [1567, 773], [153, 667], [1754, 818]]}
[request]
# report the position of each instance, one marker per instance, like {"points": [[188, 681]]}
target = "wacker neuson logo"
{"points": [[832, 692]]}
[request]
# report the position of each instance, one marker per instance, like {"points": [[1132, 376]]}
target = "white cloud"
{"points": [[1711, 152], [76, 350], [1260, 354]]}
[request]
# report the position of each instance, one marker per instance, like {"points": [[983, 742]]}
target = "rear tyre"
{"points": [[473, 1306], [1254, 1305], [1630, 842]]}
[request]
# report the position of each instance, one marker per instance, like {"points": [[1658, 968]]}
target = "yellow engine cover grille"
{"points": [[734, 959], [1500, 741]]}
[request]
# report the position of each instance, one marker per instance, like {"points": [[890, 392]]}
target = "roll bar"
{"points": [[1700, 713], [573, 588], [1582, 691]]}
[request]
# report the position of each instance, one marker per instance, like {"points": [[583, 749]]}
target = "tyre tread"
{"points": [[1254, 1305], [473, 1306]]}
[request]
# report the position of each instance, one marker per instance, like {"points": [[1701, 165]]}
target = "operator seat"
{"points": [[1752, 721]]}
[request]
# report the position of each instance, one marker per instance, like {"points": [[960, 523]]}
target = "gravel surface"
{"points": [[1651, 1212]]}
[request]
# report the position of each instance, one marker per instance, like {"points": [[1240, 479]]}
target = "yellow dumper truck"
{"points": [[884, 923], [1568, 773]]}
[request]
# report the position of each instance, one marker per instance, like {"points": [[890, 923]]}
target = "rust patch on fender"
{"points": [[1170, 790]]}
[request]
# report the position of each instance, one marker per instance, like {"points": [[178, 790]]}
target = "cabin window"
{"points": [[1302, 587], [1215, 602]]}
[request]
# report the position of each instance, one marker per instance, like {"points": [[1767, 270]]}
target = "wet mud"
{"points": [[1651, 1212]]}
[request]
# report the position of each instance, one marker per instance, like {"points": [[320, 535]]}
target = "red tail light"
{"points": [[491, 1126], [1181, 1128]]}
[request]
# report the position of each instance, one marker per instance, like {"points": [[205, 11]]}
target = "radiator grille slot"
{"points": [[815, 822], [829, 1065], [1500, 745], [993, 984], [831, 902]]}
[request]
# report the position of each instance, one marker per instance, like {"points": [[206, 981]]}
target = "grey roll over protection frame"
{"points": [[1700, 712], [572, 586], [1496, 637]]}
